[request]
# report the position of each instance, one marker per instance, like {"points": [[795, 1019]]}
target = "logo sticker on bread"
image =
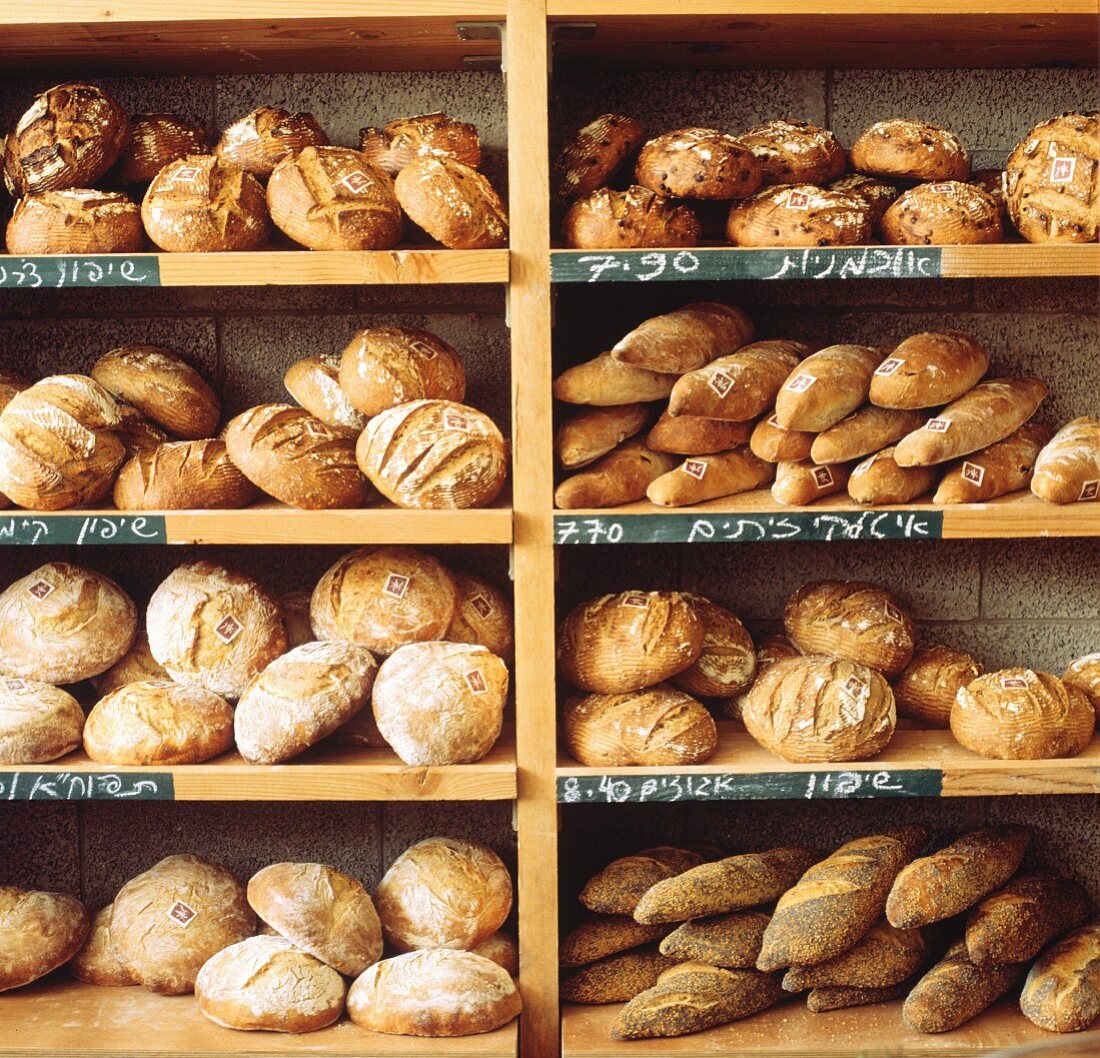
{"points": [[973, 473], [482, 606], [356, 182], [1089, 490], [16, 685], [423, 350], [937, 425], [452, 420], [720, 382], [396, 585], [188, 172], [853, 688], [798, 200], [1009, 683], [800, 383], [476, 681], [41, 589], [1062, 170], [823, 477], [696, 468], [182, 913], [892, 613], [637, 600], [888, 367], [228, 628]]}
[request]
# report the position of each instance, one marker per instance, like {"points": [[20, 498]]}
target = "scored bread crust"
{"points": [[636, 218], [75, 220], [795, 152], [183, 475], [401, 142], [590, 159], [698, 163], [41, 931], [454, 203], [727, 663], [314, 382], [617, 888], [38, 722], [951, 213], [1062, 990], [156, 140], [1067, 470], [483, 616], [260, 140], [799, 215], [731, 940], [926, 688], [97, 962], [911, 149]]}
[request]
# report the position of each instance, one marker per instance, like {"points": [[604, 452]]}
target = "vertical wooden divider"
{"points": [[533, 551]]}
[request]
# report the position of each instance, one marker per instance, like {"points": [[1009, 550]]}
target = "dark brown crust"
{"points": [[631, 219], [698, 163], [799, 215], [950, 213], [911, 149], [590, 159], [795, 152]]}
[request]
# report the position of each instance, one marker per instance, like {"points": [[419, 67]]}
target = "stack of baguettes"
{"points": [[78, 167], [189, 925], [887, 424], [691, 938], [905, 181]]}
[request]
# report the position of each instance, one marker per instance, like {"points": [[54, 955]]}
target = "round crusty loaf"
{"points": [[300, 698], [911, 149], [38, 933], [383, 598], [434, 454], [320, 910], [401, 142], [1052, 180], [727, 663], [434, 993], [929, 369], [876, 194], [260, 140], [171, 918], [799, 215], [296, 457], [625, 642], [590, 158], [199, 204], [629, 220], [267, 984], [926, 688], [455, 204], [97, 962], [698, 163], [62, 624], [162, 386], [501, 949], [135, 665], [1022, 714], [137, 434], [315, 384], [182, 475], [819, 709], [1084, 674], [158, 722], [330, 198], [440, 703], [795, 152], [658, 725], [443, 893], [385, 366], [69, 137], [768, 651], [38, 722], [851, 619], [75, 221], [952, 213], [483, 615], [156, 140], [213, 627], [295, 610]]}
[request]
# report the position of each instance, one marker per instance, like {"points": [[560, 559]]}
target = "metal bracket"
{"points": [[484, 31], [567, 31]]}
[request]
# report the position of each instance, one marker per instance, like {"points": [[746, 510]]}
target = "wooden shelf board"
{"points": [[791, 1031], [57, 1017]]}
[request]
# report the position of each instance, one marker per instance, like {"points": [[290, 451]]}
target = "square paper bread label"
{"points": [[181, 913], [800, 383], [481, 606], [1089, 490], [892, 613], [797, 200], [637, 600], [888, 367], [696, 468], [720, 382], [396, 585], [356, 182], [188, 172], [476, 681], [823, 477], [1062, 170], [937, 425], [453, 420], [973, 473], [15, 685], [228, 628], [1010, 683], [424, 351], [41, 589]]}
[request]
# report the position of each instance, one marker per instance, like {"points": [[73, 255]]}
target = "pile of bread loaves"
{"points": [[78, 166], [385, 417], [690, 938], [821, 693], [787, 183], [299, 668], [887, 424], [188, 925]]}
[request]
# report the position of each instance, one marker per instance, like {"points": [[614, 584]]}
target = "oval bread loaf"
{"points": [[596, 937], [483, 615], [135, 665], [883, 956], [454, 203], [795, 152], [686, 339], [927, 687], [698, 163], [617, 888], [76, 220], [97, 962], [261, 139], [1084, 674], [400, 142], [703, 478], [183, 475], [1005, 466], [1062, 990], [314, 382], [621, 476], [825, 387], [775, 445], [38, 933], [156, 140], [1067, 470], [879, 480], [727, 663], [38, 722], [731, 940], [590, 158], [633, 219], [768, 651], [607, 382], [590, 434], [951, 213], [911, 149], [616, 979], [929, 369], [799, 215], [867, 430]]}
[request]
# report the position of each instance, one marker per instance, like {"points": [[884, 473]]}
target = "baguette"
{"points": [[1068, 468], [617, 889], [868, 429], [731, 940], [1062, 990], [686, 339], [1005, 466], [605, 381], [771, 442], [695, 435], [588, 435], [598, 936], [616, 978], [987, 413], [839, 997], [803, 482], [730, 884], [879, 479], [837, 900], [704, 478], [826, 386], [883, 956], [929, 369], [621, 476], [926, 688]]}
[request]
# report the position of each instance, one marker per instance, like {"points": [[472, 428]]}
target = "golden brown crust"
{"points": [[401, 142], [97, 962], [314, 383], [704, 478], [951, 213], [877, 195], [626, 220], [605, 382], [926, 688], [135, 665], [589, 434], [911, 149], [596, 937], [826, 386], [454, 203], [621, 476], [590, 159], [38, 933], [1067, 470], [686, 339], [483, 616], [156, 140], [698, 163], [803, 482], [1084, 674], [38, 722], [732, 940], [795, 152], [867, 430], [991, 181], [727, 663], [260, 140], [695, 435], [799, 215], [929, 369], [75, 221], [773, 444], [879, 480], [137, 435], [183, 475], [618, 887], [1062, 990], [502, 949]]}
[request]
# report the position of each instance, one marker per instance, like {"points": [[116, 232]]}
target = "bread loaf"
{"points": [[795, 152], [629, 220], [806, 481], [732, 940], [691, 435], [156, 140], [740, 386], [135, 665], [629, 641], [911, 149], [586, 436], [183, 475], [825, 387], [851, 619], [598, 936], [698, 163], [260, 140], [926, 688], [929, 369], [772, 443], [685, 340], [1022, 714], [75, 221], [799, 215], [839, 997], [483, 616], [314, 382], [213, 627], [618, 887], [434, 993], [867, 430], [878, 480], [768, 651], [294, 606], [951, 213], [1062, 990], [38, 933], [621, 476], [883, 956], [605, 381], [38, 722], [501, 949], [876, 195], [1005, 466], [97, 962], [300, 698], [730, 884], [158, 722], [836, 901], [727, 663], [954, 879], [384, 597], [320, 910], [440, 703], [455, 204], [401, 142], [1084, 674], [443, 893], [590, 158], [170, 919], [702, 478], [137, 434], [1016, 922], [63, 624], [1067, 470], [617, 978]]}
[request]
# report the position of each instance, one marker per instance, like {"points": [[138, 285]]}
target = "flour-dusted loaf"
{"points": [[434, 454], [926, 688], [434, 993], [454, 203], [689, 338], [799, 215], [1022, 714], [1067, 470], [876, 194], [77, 220], [586, 436], [213, 627], [171, 918], [772, 443], [97, 962], [867, 430], [617, 978], [261, 139], [314, 382], [606, 382], [806, 481], [1084, 674], [587, 161], [38, 933], [437, 135], [951, 213], [183, 475], [732, 940], [633, 219], [702, 478], [769, 650], [621, 476], [617, 888], [826, 386], [135, 665], [629, 641], [384, 597], [136, 433], [1062, 990], [851, 619], [1005, 466], [440, 703], [320, 910], [879, 480], [695, 435], [483, 616], [38, 722], [698, 163], [268, 984], [443, 893], [300, 698], [62, 624], [156, 140], [596, 937], [795, 152], [502, 949], [727, 663], [911, 149], [883, 956], [928, 369]]}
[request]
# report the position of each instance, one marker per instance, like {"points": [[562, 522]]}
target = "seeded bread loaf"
{"points": [[950, 213], [617, 888], [883, 956], [698, 163], [1062, 990], [799, 215], [598, 936], [590, 158], [617, 978], [911, 149], [732, 940], [839, 997], [627, 220], [156, 140], [795, 152], [1005, 466]]}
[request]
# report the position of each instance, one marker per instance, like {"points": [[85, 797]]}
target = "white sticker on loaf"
{"points": [[476, 681], [1009, 683], [823, 477], [16, 685], [888, 367], [892, 613], [773, 421], [482, 606], [797, 200], [800, 383], [1062, 170], [396, 585], [356, 181], [41, 589], [695, 468], [1089, 490], [720, 382], [188, 172], [941, 189], [638, 600], [182, 914], [937, 425], [423, 350], [973, 473], [453, 420], [228, 628]]}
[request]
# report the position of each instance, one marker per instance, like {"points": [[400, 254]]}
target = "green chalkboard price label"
{"points": [[85, 786], [42, 529], [65, 270], [749, 528], [763, 786], [830, 262]]}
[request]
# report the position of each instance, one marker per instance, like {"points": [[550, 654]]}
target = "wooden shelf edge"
{"points": [[861, 8], [139, 11]]}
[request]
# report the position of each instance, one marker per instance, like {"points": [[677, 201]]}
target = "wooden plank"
{"points": [[60, 1018], [60, 12]]}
